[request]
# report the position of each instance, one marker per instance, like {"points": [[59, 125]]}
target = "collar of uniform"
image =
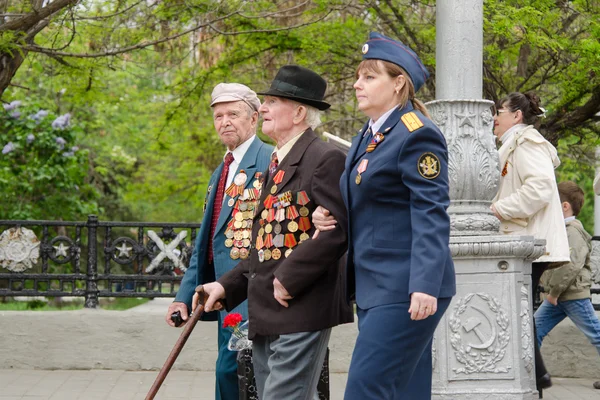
{"points": [[238, 152], [569, 219], [285, 149], [375, 125]]}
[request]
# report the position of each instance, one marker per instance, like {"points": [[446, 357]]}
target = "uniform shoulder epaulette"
{"points": [[412, 121]]}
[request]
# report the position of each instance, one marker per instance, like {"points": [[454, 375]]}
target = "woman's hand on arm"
{"points": [[322, 220]]}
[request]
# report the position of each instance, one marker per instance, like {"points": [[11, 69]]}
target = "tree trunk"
{"points": [[9, 64]]}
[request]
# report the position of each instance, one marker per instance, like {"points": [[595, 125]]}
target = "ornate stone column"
{"points": [[483, 348]]}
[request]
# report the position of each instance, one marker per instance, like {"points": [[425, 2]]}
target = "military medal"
{"points": [[230, 202], [276, 254], [264, 214], [268, 228], [302, 200], [290, 241], [241, 178], [243, 206], [362, 167], [304, 225], [229, 233], [228, 242], [261, 231], [237, 224], [246, 242], [273, 189], [261, 255], [292, 226], [244, 254], [234, 253], [267, 254]]}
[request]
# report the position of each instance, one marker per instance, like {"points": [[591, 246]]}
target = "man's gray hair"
{"points": [[313, 116]]}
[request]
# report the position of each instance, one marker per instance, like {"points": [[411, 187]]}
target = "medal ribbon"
{"points": [[304, 224], [271, 215], [291, 213], [290, 240], [302, 198], [268, 241], [278, 177]]}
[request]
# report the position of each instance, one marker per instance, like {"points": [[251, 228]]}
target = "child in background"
{"points": [[568, 287]]}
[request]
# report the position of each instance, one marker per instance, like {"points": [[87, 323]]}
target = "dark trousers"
{"points": [[392, 356], [536, 273]]}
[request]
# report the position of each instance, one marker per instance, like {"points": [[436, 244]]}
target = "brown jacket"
{"points": [[312, 273]]}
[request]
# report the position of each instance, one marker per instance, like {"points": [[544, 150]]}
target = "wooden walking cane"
{"points": [[187, 330]]}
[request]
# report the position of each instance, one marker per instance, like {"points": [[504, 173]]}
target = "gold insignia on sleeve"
{"points": [[429, 165], [412, 121]]}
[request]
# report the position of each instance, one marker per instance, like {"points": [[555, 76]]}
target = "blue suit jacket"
{"points": [[256, 159], [397, 221]]}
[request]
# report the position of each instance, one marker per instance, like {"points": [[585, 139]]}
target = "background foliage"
{"points": [[136, 77]]}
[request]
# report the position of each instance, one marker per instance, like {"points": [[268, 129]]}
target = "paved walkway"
{"points": [[179, 385]]}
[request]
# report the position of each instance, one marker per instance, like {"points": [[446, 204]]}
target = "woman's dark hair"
{"points": [[528, 103]]}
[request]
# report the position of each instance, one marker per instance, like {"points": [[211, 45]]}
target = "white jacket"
{"points": [[527, 199]]}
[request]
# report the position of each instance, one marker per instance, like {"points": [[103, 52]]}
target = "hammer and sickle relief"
{"points": [[474, 324]]}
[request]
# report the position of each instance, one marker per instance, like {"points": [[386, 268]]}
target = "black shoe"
{"points": [[597, 385], [544, 382]]}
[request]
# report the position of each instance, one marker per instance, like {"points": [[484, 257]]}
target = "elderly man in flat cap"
{"points": [[293, 284], [231, 197]]}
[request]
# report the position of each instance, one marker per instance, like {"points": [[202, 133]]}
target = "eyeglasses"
{"points": [[502, 110]]}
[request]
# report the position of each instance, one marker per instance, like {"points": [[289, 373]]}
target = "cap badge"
{"points": [[365, 48]]}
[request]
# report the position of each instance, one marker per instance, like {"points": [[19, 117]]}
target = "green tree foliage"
{"points": [[138, 76], [42, 169]]}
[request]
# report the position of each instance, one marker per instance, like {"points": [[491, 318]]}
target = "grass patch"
{"points": [[56, 304]]}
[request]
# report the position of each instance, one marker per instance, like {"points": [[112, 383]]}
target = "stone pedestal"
{"points": [[484, 343], [483, 348]]}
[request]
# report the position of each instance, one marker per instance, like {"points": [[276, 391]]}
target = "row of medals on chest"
{"points": [[281, 211], [239, 228]]}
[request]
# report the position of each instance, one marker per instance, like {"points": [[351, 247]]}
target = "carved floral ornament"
{"points": [[479, 341], [526, 332], [19, 249]]}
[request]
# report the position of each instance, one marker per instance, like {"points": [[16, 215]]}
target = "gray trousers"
{"points": [[287, 367]]}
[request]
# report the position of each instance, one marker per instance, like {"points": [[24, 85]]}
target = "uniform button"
{"points": [[253, 275]]}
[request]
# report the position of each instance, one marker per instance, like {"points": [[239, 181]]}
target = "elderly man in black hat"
{"points": [[293, 284]]}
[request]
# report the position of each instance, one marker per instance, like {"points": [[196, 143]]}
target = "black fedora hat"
{"points": [[299, 84]]}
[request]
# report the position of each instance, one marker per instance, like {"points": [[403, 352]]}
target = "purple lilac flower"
{"points": [[61, 142], [62, 122], [38, 116], [12, 105], [74, 149], [30, 138], [16, 114], [8, 148], [68, 154]]}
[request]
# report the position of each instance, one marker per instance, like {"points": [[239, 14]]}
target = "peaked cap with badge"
{"points": [[396, 185]]}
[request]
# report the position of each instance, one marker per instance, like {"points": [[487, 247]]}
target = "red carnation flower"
{"points": [[232, 320]]}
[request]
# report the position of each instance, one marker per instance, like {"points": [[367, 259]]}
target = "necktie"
{"points": [[366, 139], [274, 164], [218, 203]]}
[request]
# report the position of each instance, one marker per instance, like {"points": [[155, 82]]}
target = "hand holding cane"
{"points": [[187, 330]]}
